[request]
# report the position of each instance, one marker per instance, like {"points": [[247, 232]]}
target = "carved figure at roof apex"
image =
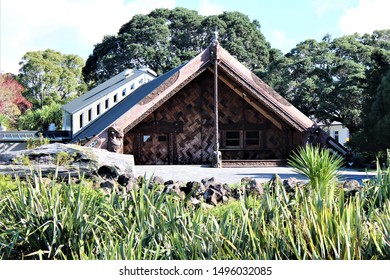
{"points": [[215, 38]]}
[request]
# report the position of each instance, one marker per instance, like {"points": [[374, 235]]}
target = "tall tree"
{"points": [[12, 103], [164, 39], [373, 135], [49, 76], [328, 79]]}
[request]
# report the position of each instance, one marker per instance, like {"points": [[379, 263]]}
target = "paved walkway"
{"points": [[229, 175]]}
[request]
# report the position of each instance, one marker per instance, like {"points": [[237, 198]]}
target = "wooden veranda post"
{"points": [[217, 158]]}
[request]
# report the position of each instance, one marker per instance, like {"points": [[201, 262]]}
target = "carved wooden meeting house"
{"points": [[175, 118]]}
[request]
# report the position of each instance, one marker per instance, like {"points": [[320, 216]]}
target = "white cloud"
{"points": [[206, 8], [280, 40], [322, 7], [368, 16], [63, 24]]}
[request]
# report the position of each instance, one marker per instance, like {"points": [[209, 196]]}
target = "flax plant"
{"points": [[54, 219]]}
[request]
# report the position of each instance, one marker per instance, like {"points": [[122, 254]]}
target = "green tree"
{"points": [[329, 80], [40, 119], [165, 39], [12, 103], [49, 76], [373, 135], [379, 117], [303, 75]]}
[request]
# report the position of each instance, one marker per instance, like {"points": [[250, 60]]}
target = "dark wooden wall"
{"points": [[186, 122]]}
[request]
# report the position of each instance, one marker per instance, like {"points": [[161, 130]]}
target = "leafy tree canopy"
{"points": [[12, 103], [165, 39], [40, 119], [330, 80], [49, 76]]}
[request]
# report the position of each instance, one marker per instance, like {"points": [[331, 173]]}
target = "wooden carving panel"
{"points": [[193, 108]]}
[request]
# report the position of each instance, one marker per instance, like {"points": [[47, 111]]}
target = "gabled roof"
{"points": [[150, 96], [103, 89], [99, 125]]}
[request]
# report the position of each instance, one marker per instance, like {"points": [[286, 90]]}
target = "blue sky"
{"points": [[75, 26]]}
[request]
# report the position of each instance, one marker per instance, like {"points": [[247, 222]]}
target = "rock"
{"points": [[107, 186], [132, 184], [275, 179], [252, 186], [225, 199], [207, 182], [80, 160], [169, 182], [290, 184], [123, 180], [174, 187], [212, 196], [156, 181], [197, 187], [351, 187], [195, 201], [236, 193]]}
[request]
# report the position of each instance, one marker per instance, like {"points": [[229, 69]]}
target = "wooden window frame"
{"points": [[225, 139], [243, 137], [245, 142]]}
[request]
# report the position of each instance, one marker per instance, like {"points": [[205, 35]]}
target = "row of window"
{"points": [[107, 103], [240, 139], [231, 139], [98, 107]]}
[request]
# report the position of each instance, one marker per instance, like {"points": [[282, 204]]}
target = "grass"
{"points": [[62, 220]]}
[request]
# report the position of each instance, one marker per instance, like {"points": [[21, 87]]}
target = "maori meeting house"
{"points": [[210, 110], [172, 118]]}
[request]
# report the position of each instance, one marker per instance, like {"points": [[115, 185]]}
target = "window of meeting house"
{"points": [[252, 139], [240, 139], [147, 138], [232, 139], [162, 138]]}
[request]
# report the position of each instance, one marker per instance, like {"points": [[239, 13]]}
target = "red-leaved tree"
{"points": [[12, 102]]}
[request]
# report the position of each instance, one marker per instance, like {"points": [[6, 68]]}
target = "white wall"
{"points": [[343, 133], [129, 87]]}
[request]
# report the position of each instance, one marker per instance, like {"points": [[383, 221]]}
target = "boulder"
{"points": [[156, 181], [68, 159], [212, 196], [174, 187], [351, 187], [252, 186], [291, 183], [275, 180], [197, 188]]}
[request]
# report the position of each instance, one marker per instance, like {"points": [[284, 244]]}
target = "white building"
{"points": [[80, 112], [339, 132]]}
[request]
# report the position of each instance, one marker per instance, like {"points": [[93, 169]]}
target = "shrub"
{"points": [[319, 165], [33, 143], [64, 158], [48, 219]]}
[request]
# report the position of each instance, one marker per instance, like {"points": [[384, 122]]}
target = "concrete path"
{"points": [[229, 175]]}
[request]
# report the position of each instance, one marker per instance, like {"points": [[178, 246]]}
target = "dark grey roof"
{"points": [[101, 90], [95, 127]]}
